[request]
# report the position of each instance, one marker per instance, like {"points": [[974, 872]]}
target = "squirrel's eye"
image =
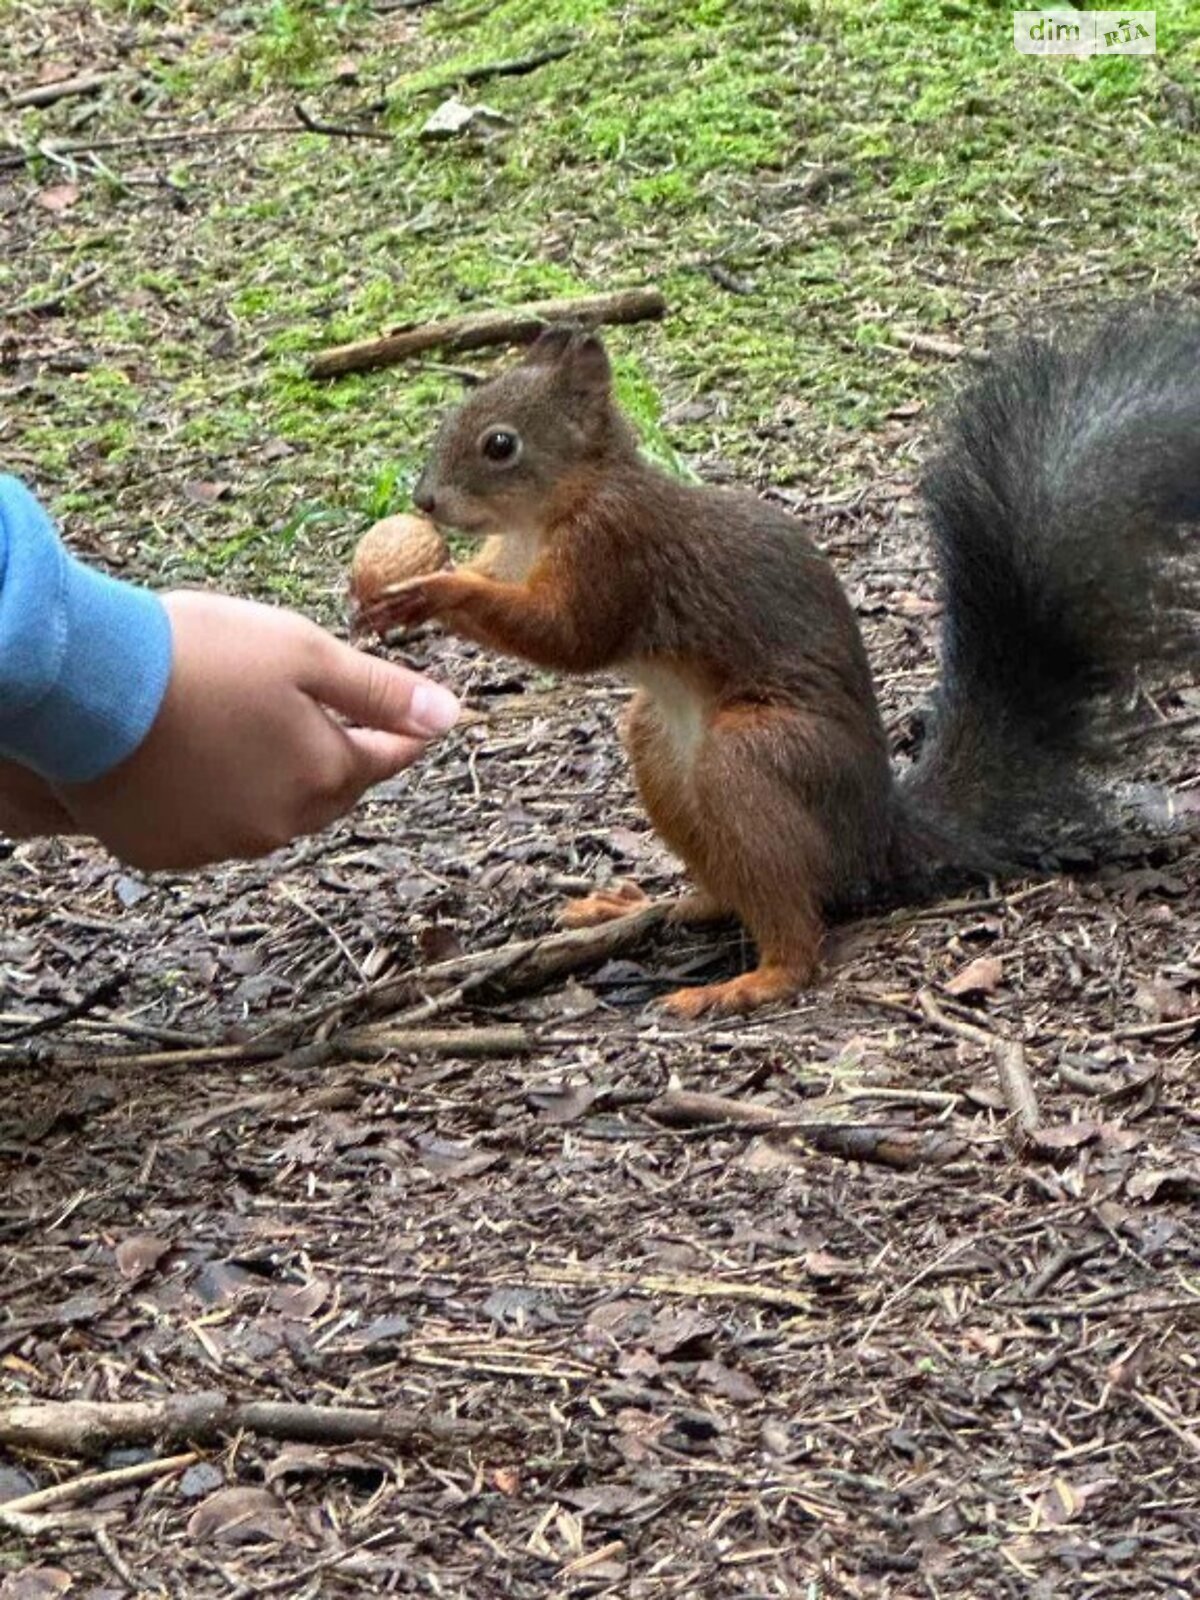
{"points": [[501, 445]]}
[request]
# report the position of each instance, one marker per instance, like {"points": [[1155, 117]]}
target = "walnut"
{"points": [[395, 549]]}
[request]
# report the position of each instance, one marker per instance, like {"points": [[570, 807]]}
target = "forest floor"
{"points": [[861, 1333]]}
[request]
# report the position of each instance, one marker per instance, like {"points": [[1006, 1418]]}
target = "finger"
{"points": [[34, 821], [379, 756], [378, 694]]}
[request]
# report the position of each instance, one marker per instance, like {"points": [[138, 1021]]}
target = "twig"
{"points": [[927, 345], [524, 964], [326, 1563], [339, 130], [687, 1285], [1015, 1086], [382, 1039], [52, 302], [513, 67], [369, 1042], [1008, 1055], [45, 94], [1163, 1417], [107, 1547], [899, 1148], [148, 141], [102, 994], [517, 325], [88, 1428], [93, 1484]]}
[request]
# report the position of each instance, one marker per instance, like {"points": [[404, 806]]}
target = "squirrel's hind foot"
{"points": [[761, 987], [621, 897], [603, 905]]}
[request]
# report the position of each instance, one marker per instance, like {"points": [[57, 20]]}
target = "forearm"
{"points": [[538, 622], [84, 660]]}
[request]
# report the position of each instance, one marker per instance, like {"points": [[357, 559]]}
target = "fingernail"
{"points": [[434, 709]]}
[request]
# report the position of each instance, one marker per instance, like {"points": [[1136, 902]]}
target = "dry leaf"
{"points": [[1064, 1136], [1163, 1002], [139, 1254], [239, 1516], [202, 492], [36, 1583], [562, 1102], [984, 975], [300, 1301], [728, 1383], [200, 1480], [682, 1335], [60, 197], [451, 1159], [1164, 1183]]}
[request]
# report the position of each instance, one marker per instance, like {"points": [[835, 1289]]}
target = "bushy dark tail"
{"points": [[1061, 502]]}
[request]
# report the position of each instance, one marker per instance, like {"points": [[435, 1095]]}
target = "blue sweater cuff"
{"points": [[84, 659]]}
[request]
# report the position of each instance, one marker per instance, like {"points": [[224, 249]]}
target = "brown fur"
{"points": [[755, 739]]}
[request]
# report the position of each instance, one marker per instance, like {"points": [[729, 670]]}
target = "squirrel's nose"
{"points": [[424, 499]]}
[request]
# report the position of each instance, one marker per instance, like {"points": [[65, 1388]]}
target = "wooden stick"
{"points": [[1008, 1055], [385, 1038], [511, 67], [524, 964], [93, 1484], [516, 325], [88, 1428], [1015, 1086], [45, 94], [900, 1148]]}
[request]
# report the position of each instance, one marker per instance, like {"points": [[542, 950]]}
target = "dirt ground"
{"points": [[861, 1333]]}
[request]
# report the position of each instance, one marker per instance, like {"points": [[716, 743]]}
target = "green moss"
{"points": [[858, 169]]}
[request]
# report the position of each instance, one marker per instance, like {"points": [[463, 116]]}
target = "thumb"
{"points": [[379, 756], [378, 694]]}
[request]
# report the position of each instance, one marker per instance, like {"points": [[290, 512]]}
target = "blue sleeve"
{"points": [[84, 659]]}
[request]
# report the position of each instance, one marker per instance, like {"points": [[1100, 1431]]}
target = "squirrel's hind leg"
{"points": [[766, 851], [665, 789]]}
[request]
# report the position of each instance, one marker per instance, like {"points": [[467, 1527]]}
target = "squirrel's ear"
{"points": [[591, 372], [550, 345]]}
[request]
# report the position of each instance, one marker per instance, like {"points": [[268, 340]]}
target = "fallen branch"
{"points": [[89, 1428], [148, 141], [899, 1148], [338, 130], [369, 1042], [388, 1039], [928, 345], [46, 94], [53, 302], [517, 325], [513, 67], [525, 964]]}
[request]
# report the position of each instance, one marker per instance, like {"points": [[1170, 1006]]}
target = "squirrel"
{"points": [[1059, 498]]}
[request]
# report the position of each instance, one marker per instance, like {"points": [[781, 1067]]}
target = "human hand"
{"points": [[29, 808], [245, 754]]}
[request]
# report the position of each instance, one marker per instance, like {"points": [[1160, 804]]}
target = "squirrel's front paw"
{"points": [[402, 605]]}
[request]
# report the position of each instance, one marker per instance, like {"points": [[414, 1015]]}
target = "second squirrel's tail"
{"points": [[1060, 501]]}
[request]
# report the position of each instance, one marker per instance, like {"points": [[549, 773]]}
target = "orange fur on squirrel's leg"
{"points": [[663, 786], [763, 851]]}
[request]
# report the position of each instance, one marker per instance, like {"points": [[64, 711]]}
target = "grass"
{"points": [[859, 170]]}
